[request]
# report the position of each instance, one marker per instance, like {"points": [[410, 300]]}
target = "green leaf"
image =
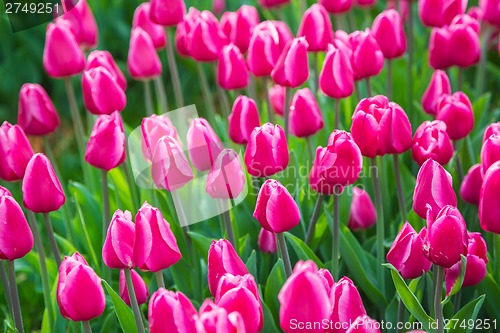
{"points": [[460, 322], [201, 243], [269, 323], [123, 312], [458, 283], [491, 288], [274, 284], [302, 250], [251, 264]]}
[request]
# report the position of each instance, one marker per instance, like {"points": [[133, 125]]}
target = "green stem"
{"points": [[286, 110], [481, 70], [380, 223], [133, 302], [5, 283], [368, 87], [52, 239], [159, 279], [389, 79], [148, 99], [229, 228], [310, 148], [160, 93], [399, 188], [401, 314], [270, 113], [314, 218], [458, 299], [460, 170], [315, 73], [225, 102], [410, 57], [105, 218], [337, 113], [252, 89], [335, 236], [174, 72], [207, 94], [127, 166], [86, 327], [460, 79], [16, 306], [284, 254], [438, 308]]}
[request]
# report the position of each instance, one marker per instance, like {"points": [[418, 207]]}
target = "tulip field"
{"points": [[216, 166]]}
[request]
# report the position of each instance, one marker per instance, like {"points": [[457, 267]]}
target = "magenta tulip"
{"points": [[490, 152], [4, 192], [16, 152], [336, 6], [439, 49], [316, 28], [306, 118], [203, 144], [213, 319], [493, 128], [438, 86], [36, 112], [184, 29], [167, 12], [362, 213], [218, 6], [456, 112], [240, 26], [277, 97], [118, 248], [101, 92], [143, 61], [326, 277], [491, 12], [243, 119], [437, 13], [153, 128], [206, 39], [432, 141], [336, 79], [292, 67], [155, 31], [389, 33], [464, 41], [367, 58], [170, 311], [264, 49], [470, 189], [16, 238], [346, 303], [232, 72], [226, 179], [267, 241], [105, 59], [82, 23], [140, 288], [488, 208]]}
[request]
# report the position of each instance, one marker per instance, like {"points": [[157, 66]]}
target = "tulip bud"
{"points": [[101, 92], [275, 208], [272, 3], [264, 49], [493, 128], [153, 128], [36, 112], [277, 97], [105, 59], [170, 311], [79, 291], [106, 146], [306, 118], [326, 277], [155, 244], [490, 152], [438, 86], [41, 175], [437, 13], [488, 207], [336, 6], [184, 29], [470, 189], [143, 62], [367, 58], [243, 119], [364, 324], [222, 259], [226, 179], [15, 234], [62, 56], [206, 39], [15, 150], [118, 249], [203, 144], [267, 151], [464, 41], [170, 168], [432, 141], [167, 12], [389, 32], [292, 67], [346, 303], [434, 187], [362, 214], [232, 72], [406, 253], [284, 33], [336, 79], [82, 22], [439, 49], [491, 12], [213, 319], [4, 192], [456, 112], [240, 26], [316, 28], [267, 241], [140, 288], [142, 20]]}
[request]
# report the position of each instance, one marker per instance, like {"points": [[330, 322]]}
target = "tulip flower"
{"points": [[243, 119], [464, 41], [218, 6], [213, 318], [62, 56], [105, 59], [406, 253], [336, 79], [389, 32], [167, 12], [264, 49], [470, 189], [79, 291], [101, 92], [267, 151], [36, 112], [143, 62], [490, 152], [438, 86], [272, 3], [437, 13], [206, 39], [364, 324], [222, 259], [306, 118], [153, 128], [488, 209], [267, 241], [326, 277], [432, 141], [316, 28], [456, 112], [82, 23], [362, 213], [346, 303], [434, 188], [336, 6], [41, 175], [277, 97], [367, 58], [493, 128], [491, 12], [439, 49], [446, 238], [4, 192], [292, 68], [106, 146], [118, 249], [15, 234], [16, 152], [240, 27], [170, 311], [140, 288], [155, 244], [203, 144], [155, 31], [226, 179], [232, 72], [184, 29]]}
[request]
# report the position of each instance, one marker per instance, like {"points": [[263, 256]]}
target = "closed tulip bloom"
{"points": [[490, 152], [434, 187], [183, 30], [367, 58], [222, 259], [140, 288], [79, 291], [155, 244], [143, 61], [316, 28], [346, 303], [232, 72], [267, 151], [437, 13], [470, 189], [106, 146], [277, 97], [203, 144], [275, 209], [438, 86], [336, 79], [41, 175], [292, 67], [155, 31], [4, 192], [62, 55], [439, 49], [364, 324], [82, 23], [244, 302], [267, 241], [243, 119], [493, 128], [36, 112], [362, 214], [206, 39], [167, 12], [272, 3], [213, 319], [389, 32], [336, 6], [226, 179], [264, 49], [170, 168], [326, 277], [491, 11], [153, 128], [284, 33], [101, 92], [229, 281], [16, 238], [432, 141], [105, 59], [170, 311], [488, 207], [240, 29], [15, 150], [306, 118], [118, 248], [456, 112], [464, 41], [406, 253]]}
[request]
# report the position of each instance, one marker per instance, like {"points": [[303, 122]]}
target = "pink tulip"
{"points": [[272, 3], [477, 246], [118, 248], [316, 28], [292, 68], [456, 112], [36, 112], [267, 151], [267, 241], [15, 150], [101, 92], [364, 324], [167, 12], [325, 276], [470, 189], [276, 210], [284, 33], [240, 26], [213, 319], [437, 13], [41, 175], [432, 141], [362, 214], [438, 86], [346, 303], [464, 41], [439, 49], [277, 97], [264, 49], [406, 253], [491, 11], [336, 6], [226, 179], [106, 146], [82, 23], [434, 187], [155, 244], [206, 39], [142, 20], [140, 288], [493, 128], [243, 119], [365, 3], [229, 281], [143, 61], [367, 58], [218, 6], [79, 291], [16, 238], [222, 259], [153, 128], [105, 59], [336, 79], [184, 29], [389, 32], [170, 311], [4, 192], [306, 118], [62, 56], [232, 72], [490, 152], [488, 207], [203, 144]]}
